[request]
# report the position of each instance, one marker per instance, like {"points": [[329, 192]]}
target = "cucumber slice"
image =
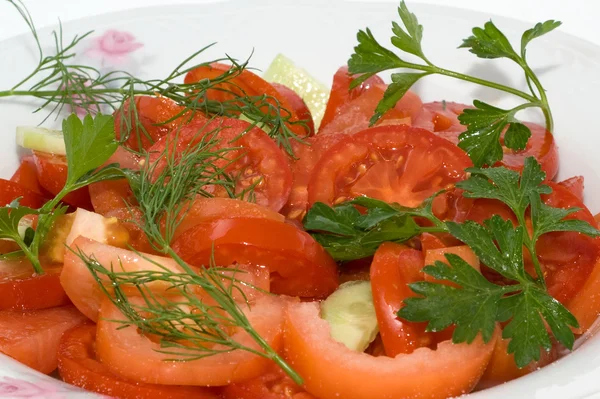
{"points": [[314, 93], [351, 315], [41, 139]]}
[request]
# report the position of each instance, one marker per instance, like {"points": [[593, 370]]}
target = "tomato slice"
{"points": [[575, 185], [32, 337], [52, 175], [10, 191], [391, 163], [332, 371], [299, 266], [26, 176], [256, 160], [274, 384], [114, 194], [298, 106], [78, 365], [157, 115], [394, 267], [355, 115], [585, 305], [341, 94], [131, 218], [131, 355], [441, 118], [23, 289], [81, 286], [206, 210], [247, 84]]}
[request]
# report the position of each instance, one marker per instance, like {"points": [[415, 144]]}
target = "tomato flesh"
{"points": [[78, 365], [298, 106], [391, 163], [26, 176], [10, 191], [299, 266]]}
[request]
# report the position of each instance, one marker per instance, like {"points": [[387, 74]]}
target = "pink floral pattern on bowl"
{"points": [[114, 46], [15, 388]]}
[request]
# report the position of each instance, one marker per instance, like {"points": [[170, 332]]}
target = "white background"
{"points": [[580, 17]]}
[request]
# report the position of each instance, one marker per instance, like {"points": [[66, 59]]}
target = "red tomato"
{"points": [[83, 289], [394, 267], [298, 105], [132, 355], [114, 194], [441, 118], [205, 210], [332, 371], [247, 84], [439, 255], [77, 365], [274, 384], [355, 115], [341, 94], [23, 289], [157, 115], [32, 337], [391, 163], [130, 219], [52, 175], [502, 367], [430, 241], [585, 306], [299, 266], [541, 145], [256, 160], [26, 176], [575, 186], [10, 191]]}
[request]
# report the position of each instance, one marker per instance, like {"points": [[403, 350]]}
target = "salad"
{"points": [[222, 234]]}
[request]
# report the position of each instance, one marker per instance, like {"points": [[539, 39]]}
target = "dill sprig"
{"points": [[58, 82], [188, 327]]}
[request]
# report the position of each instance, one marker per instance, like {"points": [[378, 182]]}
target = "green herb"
{"points": [[347, 234], [485, 123], [59, 82]]}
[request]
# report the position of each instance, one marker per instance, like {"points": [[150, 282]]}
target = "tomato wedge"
{"points": [[254, 161], [52, 175], [23, 289], [130, 218], [341, 94], [247, 84], [78, 365], [575, 185], [394, 267], [26, 176], [441, 118], [298, 106], [157, 115], [299, 266], [331, 371], [274, 384], [391, 163], [131, 355], [355, 115], [10, 191], [81, 286], [585, 305], [32, 337], [205, 210]]}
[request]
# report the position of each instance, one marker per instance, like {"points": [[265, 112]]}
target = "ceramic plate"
{"points": [[319, 36]]}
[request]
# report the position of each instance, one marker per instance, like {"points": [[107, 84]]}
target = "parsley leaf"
{"points": [[401, 83], [408, 40], [540, 29], [489, 42]]}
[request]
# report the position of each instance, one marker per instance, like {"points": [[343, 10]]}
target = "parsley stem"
{"points": [[35, 262], [530, 245], [543, 98]]}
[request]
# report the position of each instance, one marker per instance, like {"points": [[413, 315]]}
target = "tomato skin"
{"points": [[441, 118], [331, 371], [83, 289], [299, 265], [341, 94], [32, 337], [256, 158], [246, 83], [394, 267], [131, 355], [23, 289], [575, 185], [391, 163], [26, 176], [274, 384], [298, 105], [77, 365], [585, 305], [52, 175], [10, 191]]}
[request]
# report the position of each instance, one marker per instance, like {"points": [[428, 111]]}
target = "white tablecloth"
{"points": [[579, 17]]}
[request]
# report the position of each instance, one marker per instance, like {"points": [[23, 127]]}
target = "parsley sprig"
{"points": [[485, 123]]}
